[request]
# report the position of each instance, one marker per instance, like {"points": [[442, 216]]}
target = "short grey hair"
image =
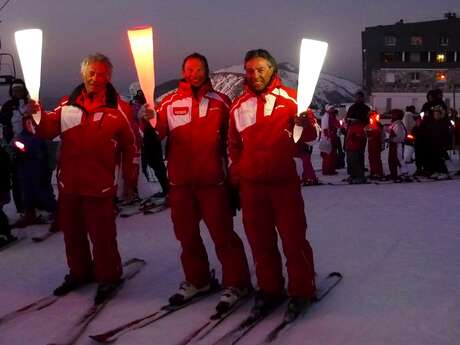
{"points": [[92, 58]]}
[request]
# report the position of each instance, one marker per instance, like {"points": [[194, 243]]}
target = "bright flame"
{"points": [[371, 121], [141, 41], [452, 122], [20, 145], [410, 136], [377, 117], [29, 45], [422, 114], [312, 55]]}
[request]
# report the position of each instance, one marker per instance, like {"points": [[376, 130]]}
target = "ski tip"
{"points": [[335, 274], [99, 339]]}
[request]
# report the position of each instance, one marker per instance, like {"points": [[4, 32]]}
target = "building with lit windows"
{"points": [[402, 62]]}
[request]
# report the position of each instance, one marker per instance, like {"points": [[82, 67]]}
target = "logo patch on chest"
{"points": [[180, 110]]}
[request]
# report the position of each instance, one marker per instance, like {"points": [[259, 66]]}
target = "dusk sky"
{"points": [[221, 30]]}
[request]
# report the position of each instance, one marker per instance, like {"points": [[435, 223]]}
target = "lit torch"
{"points": [[141, 41], [29, 45], [312, 55], [20, 146]]}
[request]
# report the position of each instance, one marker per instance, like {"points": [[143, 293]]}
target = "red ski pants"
{"points": [[375, 161], [278, 206], [211, 204], [80, 216]]}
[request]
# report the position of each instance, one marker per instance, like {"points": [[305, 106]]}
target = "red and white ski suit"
{"points": [[95, 137], [196, 126], [261, 151]]}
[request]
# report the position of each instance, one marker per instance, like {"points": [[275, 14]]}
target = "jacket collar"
{"points": [[111, 96]]}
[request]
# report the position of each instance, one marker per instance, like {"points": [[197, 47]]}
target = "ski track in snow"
{"points": [[397, 246]]}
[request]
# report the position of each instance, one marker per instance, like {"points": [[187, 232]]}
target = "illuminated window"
{"points": [[389, 57], [441, 57], [441, 76], [416, 40], [390, 40]]}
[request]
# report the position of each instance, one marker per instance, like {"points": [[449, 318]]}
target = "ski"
{"points": [[428, 179], [37, 305], [44, 237], [323, 289], [142, 210], [233, 336], [114, 334], [155, 209], [133, 267], [12, 243], [34, 306], [214, 320]]}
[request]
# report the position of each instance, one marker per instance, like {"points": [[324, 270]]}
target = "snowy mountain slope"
{"points": [[330, 89], [397, 246]]}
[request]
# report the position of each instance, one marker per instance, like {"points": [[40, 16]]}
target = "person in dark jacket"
{"points": [[151, 151], [31, 176], [432, 137], [11, 121], [5, 229], [355, 141]]}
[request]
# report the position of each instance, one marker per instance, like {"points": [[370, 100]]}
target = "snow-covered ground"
{"points": [[397, 246]]}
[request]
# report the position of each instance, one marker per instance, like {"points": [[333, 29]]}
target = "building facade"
{"points": [[402, 62]]}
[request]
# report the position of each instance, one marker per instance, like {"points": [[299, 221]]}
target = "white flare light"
{"points": [[29, 45], [141, 41], [312, 55]]}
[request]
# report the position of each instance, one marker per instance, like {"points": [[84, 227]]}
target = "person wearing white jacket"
{"points": [[397, 135], [409, 122]]}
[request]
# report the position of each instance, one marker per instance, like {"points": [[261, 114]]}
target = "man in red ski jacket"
{"points": [[261, 150], [93, 123], [195, 120]]}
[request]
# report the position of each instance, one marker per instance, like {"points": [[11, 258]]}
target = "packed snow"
{"points": [[397, 246]]}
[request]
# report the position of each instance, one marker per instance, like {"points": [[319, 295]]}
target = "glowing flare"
{"points": [[422, 114], [141, 41], [20, 145], [452, 122], [312, 55], [410, 136], [29, 45]]}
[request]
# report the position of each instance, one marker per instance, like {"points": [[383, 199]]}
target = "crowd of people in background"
{"points": [[424, 138]]}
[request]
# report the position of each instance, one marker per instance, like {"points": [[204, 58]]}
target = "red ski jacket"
{"points": [[94, 141], [260, 142], [196, 126], [355, 139]]}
